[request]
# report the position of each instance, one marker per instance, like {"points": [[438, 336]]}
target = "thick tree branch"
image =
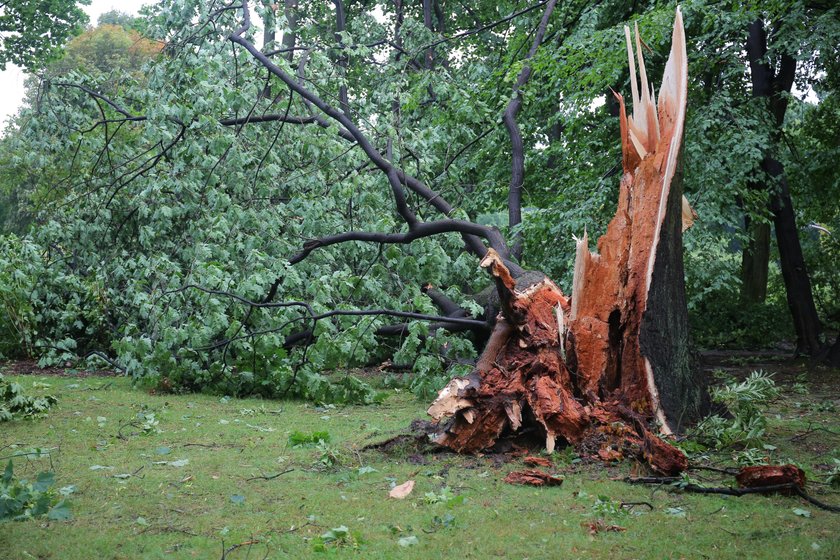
{"points": [[396, 177], [517, 172], [730, 491], [423, 229]]}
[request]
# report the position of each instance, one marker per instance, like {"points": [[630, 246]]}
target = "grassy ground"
{"points": [[192, 491]]}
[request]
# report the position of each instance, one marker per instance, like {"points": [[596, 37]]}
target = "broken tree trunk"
{"points": [[601, 368]]}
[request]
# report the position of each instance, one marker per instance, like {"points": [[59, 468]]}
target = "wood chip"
{"points": [[402, 491], [537, 461], [533, 477]]}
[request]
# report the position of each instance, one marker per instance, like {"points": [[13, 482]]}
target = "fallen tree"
{"points": [[595, 368]]}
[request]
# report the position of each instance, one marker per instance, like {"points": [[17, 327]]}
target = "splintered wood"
{"points": [[533, 477], [771, 475], [599, 369]]}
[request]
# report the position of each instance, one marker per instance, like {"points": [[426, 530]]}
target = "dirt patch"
{"points": [[30, 367]]}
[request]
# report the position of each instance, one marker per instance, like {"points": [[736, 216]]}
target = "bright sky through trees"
{"points": [[12, 79]]}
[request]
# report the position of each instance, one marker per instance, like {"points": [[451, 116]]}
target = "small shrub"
{"points": [[746, 400]]}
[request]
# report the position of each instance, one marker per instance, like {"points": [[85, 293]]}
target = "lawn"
{"points": [[199, 476]]}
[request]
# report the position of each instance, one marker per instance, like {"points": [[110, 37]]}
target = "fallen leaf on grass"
{"points": [[59, 512], [533, 477], [598, 526], [178, 463], [401, 491], [408, 541]]}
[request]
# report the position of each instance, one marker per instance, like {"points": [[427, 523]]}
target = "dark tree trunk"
{"points": [[755, 262], [290, 38], [517, 173], [269, 36], [429, 60], [755, 256], [797, 282], [775, 87], [834, 353]]}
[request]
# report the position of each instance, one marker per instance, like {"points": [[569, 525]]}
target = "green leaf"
{"points": [[60, 511], [43, 482], [408, 541]]}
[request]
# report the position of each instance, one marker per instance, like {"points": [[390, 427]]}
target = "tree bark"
{"points": [[269, 36], [598, 368], [290, 37], [755, 256], [755, 262]]}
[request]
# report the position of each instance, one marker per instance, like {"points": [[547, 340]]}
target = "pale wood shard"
{"points": [[688, 214], [596, 369], [448, 401], [401, 491]]}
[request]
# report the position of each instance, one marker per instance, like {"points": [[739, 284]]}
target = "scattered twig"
{"points": [[812, 430], [728, 470], [730, 491], [101, 387], [631, 505], [249, 544], [269, 477]]}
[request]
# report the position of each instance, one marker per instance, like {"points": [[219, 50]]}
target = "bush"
{"points": [[47, 311], [746, 401]]}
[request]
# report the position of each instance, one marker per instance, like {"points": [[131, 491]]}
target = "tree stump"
{"points": [[604, 369]]}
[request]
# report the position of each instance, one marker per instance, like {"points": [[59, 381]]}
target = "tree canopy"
{"points": [[32, 32]]}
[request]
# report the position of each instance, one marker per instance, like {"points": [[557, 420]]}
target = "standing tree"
{"points": [[32, 32]]}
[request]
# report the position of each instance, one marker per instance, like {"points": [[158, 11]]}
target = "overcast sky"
{"points": [[11, 80]]}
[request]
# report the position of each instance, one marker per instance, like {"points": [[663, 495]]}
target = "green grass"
{"points": [[191, 511]]}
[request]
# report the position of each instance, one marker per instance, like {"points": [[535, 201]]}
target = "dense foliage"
{"points": [[32, 32], [152, 203]]}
